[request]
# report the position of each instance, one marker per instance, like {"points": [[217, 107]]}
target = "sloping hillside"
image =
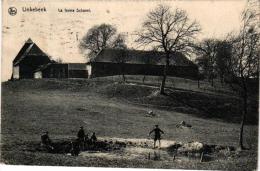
{"points": [[116, 110], [205, 103]]}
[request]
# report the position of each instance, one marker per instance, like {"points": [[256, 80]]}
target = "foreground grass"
{"points": [[29, 107], [27, 158]]}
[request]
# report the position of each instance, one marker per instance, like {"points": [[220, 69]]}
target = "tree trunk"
{"points": [[124, 79], [198, 82], [243, 121], [143, 79], [166, 66], [123, 72], [222, 79], [162, 84]]}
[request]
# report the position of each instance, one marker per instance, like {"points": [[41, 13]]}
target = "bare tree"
{"points": [[99, 37], [169, 31], [243, 64]]}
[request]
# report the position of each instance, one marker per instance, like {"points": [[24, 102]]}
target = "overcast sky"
{"points": [[56, 33]]}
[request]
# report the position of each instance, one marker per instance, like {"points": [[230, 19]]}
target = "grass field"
{"points": [[119, 110]]}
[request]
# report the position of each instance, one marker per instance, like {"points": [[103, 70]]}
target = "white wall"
{"points": [[16, 74], [38, 75], [89, 69]]}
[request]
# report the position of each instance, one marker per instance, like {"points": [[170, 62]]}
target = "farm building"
{"points": [[29, 58], [32, 62], [64, 70], [135, 62]]}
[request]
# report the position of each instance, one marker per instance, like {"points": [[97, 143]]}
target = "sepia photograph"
{"points": [[158, 84]]}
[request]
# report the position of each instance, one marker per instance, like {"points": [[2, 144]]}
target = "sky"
{"points": [[58, 33]]}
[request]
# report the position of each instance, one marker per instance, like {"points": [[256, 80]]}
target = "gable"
{"points": [[21, 52], [35, 50], [29, 49]]}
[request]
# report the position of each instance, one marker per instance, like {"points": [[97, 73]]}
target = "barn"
{"points": [[110, 62], [32, 62], [28, 59]]}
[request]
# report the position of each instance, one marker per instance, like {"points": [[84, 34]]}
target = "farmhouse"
{"points": [[32, 62], [136, 62]]}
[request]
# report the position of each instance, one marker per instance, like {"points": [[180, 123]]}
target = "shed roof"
{"points": [[140, 57]]}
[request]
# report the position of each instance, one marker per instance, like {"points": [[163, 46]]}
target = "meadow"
{"points": [[114, 109]]}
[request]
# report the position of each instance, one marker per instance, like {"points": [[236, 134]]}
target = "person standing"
{"points": [[157, 135], [81, 138], [93, 137]]}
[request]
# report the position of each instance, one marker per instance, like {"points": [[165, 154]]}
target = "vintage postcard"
{"points": [[131, 84]]}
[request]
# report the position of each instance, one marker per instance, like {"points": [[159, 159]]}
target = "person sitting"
{"points": [[75, 148], [46, 141]]}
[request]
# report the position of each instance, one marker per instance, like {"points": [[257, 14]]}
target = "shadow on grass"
{"points": [[224, 108]]}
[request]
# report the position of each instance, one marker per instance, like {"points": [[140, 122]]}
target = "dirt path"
{"points": [[142, 149]]}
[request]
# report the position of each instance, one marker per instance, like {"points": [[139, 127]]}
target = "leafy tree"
{"points": [[223, 55], [206, 52], [169, 31], [99, 37], [120, 42]]}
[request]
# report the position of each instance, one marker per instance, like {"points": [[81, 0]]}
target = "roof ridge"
{"points": [[29, 40]]}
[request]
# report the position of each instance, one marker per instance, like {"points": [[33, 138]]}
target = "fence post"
{"points": [[201, 157]]}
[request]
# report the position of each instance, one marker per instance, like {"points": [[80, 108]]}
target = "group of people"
{"points": [[79, 145], [83, 140]]}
